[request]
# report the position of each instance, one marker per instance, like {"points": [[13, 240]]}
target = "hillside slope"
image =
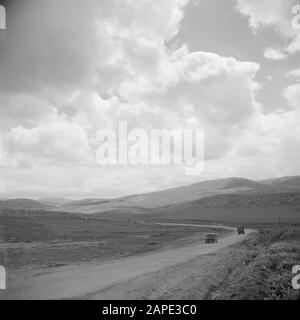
{"points": [[286, 184], [54, 201], [246, 201], [173, 196], [25, 204], [227, 193]]}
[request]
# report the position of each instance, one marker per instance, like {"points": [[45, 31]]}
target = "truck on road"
{"points": [[240, 230], [211, 238]]}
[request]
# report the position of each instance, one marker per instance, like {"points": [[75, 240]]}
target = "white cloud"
{"points": [[110, 61], [25, 109], [276, 14], [57, 141], [263, 13], [275, 54], [292, 94], [294, 73]]}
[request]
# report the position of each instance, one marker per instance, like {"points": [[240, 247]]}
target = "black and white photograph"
{"points": [[149, 151]]}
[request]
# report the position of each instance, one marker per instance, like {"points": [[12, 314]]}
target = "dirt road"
{"points": [[81, 280]]}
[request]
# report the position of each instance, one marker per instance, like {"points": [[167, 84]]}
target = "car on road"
{"points": [[211, 238], [241, 230]]}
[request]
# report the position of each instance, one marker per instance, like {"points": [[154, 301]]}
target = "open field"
{"points": [[158, 254], [257, 269], [36, 239], [263, 215], [78, 281]]}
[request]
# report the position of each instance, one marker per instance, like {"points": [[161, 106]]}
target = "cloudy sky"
{"points": [[70, 67]]}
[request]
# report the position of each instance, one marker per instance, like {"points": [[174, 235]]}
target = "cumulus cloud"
{"points": [[292, 94], [57, 141], [109, 60], [275, 54], [294, 73], [25, 110], [263, 13], [276, 14]]}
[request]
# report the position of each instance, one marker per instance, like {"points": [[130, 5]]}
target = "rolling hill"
{"points": [[221, 193], [25, 204], [284, 184], [144, 202], [54, 201], [246, 201]]}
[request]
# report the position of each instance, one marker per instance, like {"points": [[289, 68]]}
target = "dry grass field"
{"points": [[40, 239], [257, 269]]}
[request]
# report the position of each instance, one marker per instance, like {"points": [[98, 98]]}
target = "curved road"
{"points": [[81, 280]]}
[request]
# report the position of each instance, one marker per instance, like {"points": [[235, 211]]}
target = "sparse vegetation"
{"points": [[266, 272], [257, 269], [34, 239]]}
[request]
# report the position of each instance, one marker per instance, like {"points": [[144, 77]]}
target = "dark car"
{"points": [[241, 230], [211, 238]]}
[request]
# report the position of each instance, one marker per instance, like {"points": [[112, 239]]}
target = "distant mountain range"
{"points": [[54, 201], [285, 184], [20, 204], [227, 193], [242, 201]]}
